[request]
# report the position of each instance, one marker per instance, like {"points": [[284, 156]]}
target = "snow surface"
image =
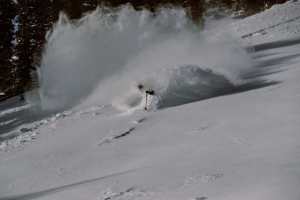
{"points": [[240, 146], [272, 24]]}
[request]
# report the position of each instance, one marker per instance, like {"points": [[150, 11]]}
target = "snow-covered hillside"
{"points": [[244, 145]]}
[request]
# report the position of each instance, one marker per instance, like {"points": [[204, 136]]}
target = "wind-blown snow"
{"points": [[240, 146]]}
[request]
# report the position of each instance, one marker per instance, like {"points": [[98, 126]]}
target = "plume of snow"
{"points": [[100, 58]]}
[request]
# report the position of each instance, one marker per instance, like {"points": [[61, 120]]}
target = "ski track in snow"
{"points": [[29, 132]]}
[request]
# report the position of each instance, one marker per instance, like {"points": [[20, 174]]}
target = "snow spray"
{"points": [[102, 57]]}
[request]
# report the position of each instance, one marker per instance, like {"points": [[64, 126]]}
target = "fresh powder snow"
{"points": [[197, 142]]}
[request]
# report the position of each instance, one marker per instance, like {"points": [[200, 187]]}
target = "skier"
{"points": [[148, 92]]}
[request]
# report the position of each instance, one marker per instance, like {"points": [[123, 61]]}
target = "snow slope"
{"points": [[240, 146], [272, 24]]}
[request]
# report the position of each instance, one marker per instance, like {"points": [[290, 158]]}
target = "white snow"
{"points": [[239, 146], [16, 109], [271, 24]]}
